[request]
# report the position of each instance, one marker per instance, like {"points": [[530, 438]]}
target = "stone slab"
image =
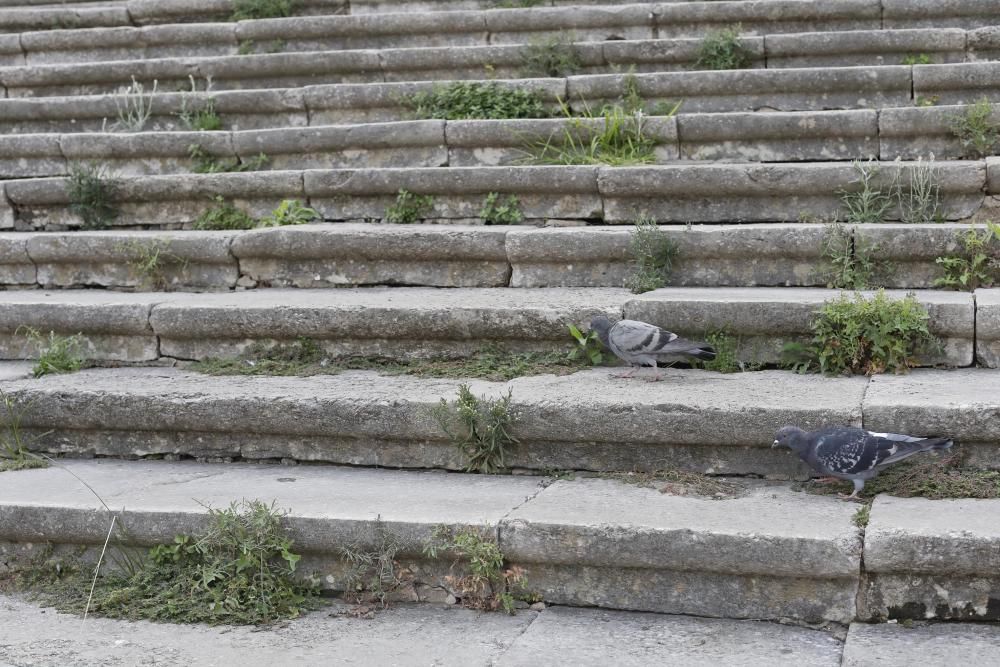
{"points": [[892, 645], [956, 84], [908, 252], [16, 267], [898, 14], [586, 637], [909, 133], [864, 47], [988, 327], [767, 318]]}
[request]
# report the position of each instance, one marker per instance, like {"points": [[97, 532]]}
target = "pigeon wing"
{"points": [[850, 451], [630, 339]]}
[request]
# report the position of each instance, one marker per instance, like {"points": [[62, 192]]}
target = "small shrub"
{"points": [[244, 10], [553, 56], [223, 215], [976, 130], [409, 208], [150, 260], [490, 584], [587, 346], [289, 212], [475, 100], [653, 257], [854, 262], [979, 266], [870, 202], [14, 454], [204, 119], [479, 427], [619, 140], [133, 106], [91, 194], [728, 354], [56, 354], [722, 49], [862, 516], [916, 59], [920, 201], [867, 336], [209, 164], [373, 573], [497, 211]]}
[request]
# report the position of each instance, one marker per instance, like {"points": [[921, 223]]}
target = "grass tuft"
{"points": [[976, 130], [553, 57], [479, 427], [92, 193], [224, 215], [653, 255], [475, 100], [675, 482], [56, 354], [723, 49]]}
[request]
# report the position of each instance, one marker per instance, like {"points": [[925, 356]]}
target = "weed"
{"points": [[980, 264], [631, 99], [479, 428], [678, 483], [553, 56], [498, 211], [916, 59], [91, 194], [289, 212], [976, 130], [223, 215], [869, 203], [665, 108], [476, 100], [867, 336], [854, 262], [517, 4], [244, 10], [209, 164], [56, 354], [204, 119], [133, 106], [722, 49], [588, 346], [618, 140], [728, 354], [150, 260], [490, 584], [293, 358], [14, 454], [409, 208], [929, 101], [246, 48], [920, 201], [862, 516], [653, 256], [373, 574]]}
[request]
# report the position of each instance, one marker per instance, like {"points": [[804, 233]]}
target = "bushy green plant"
{"points": [[916, 59], [204, 163], [723, 49], [979, 266], [866, 335], [476, 100], [204, 119], [869, 202], [976, 130], [409, 208], [56, 354], [854, 262], [653, 255], [223, 215], [289, 212], [92, 193], [497, 211], [479, 427], [553, 56], [14, 454], [244, 10], [728, 354], [618, 140], [587, 346]]}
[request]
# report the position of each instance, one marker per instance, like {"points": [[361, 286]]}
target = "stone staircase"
{"points": [[742, 174]]}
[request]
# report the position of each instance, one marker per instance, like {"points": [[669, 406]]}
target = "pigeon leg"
{"points": [[656, 376], [826, 480], [858, 485], [628, 374]]}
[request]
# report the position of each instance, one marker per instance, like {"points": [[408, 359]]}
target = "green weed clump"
{"points": [[553, 56], [916, 59], [56, 354], [729, 354], [501, 211], [204, 119], [618, 140], [289, 212], [917, 201], [865, 335], [14, 454], [209, 164], [653, 255], [869, 202], [224, 215], [92, 194], [479, 427], [976, 130], [475, 100], [489, 584], [723, 49], [245, 10], [587, 347], [978, 266], [150, 260], [409, 208], [854, 262]]}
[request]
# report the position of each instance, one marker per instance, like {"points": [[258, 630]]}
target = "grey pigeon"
{"points": [[641, 344], [852, 453]]}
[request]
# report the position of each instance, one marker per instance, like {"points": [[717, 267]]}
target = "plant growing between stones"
{"points": [[203, 119], [618, 140], [864, 335], [245, 10], [479, 427], [916, 59], [978, 266], [150, 260], [728, 354], [409, 208], [476, 100], [133, 106], [204, 163], [869, 202], [289, 212], [56, 354], [653, 254], [490, 584], [928, 101], [976, 130], [677, 482], [224, 215], [588, 346], [853, 261], [553, 56], [920, 201], [373, 573], [723, 49], [92, 193], [14, 454], [497, 211]]}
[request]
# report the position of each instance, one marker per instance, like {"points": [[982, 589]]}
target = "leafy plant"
{"points": [[920, 201], [92, 195], [289, 212], [618, 140], [588, 346], [553, 56], [133, 106], [490, 584], [916, 59], [56, 354], [244, 10], [653, 256], [980, 264], [150, 259], [223, 215], [204, 119], [728, 354], [373, 572], [204, 163], [854, 262], [723, 49], [928, 101], [14, 454], [870, 202], [862, 516], [409, 208], [476, 100], [976, 130], [479, 427], [498, 211], [867, 336]]}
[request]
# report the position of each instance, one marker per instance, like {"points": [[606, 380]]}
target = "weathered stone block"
{"points": [[906, 254], [31, 155], [16, 267], [669, 55], [690, 19], [584, 24], [988, 327], [897, 14], [895, 645], [473, 62], [956, 84], [984, 43], [146, 153], [864, 47], [913, 132]]}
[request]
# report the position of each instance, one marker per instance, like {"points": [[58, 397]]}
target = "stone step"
{"points": [[366, 254], [418, 322], [769, 554], [679, 192]]}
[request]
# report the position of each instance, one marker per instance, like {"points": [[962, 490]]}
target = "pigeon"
{"points": [[641, 344], [847, 452]]}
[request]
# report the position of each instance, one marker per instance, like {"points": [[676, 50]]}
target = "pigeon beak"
{"points": [[774, 444]]}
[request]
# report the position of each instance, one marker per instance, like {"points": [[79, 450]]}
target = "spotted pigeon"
{"points": [[641, 344], [853, 453]]}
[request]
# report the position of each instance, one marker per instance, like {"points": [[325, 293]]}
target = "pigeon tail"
{"points": [[703, 352], [905, 450]]}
